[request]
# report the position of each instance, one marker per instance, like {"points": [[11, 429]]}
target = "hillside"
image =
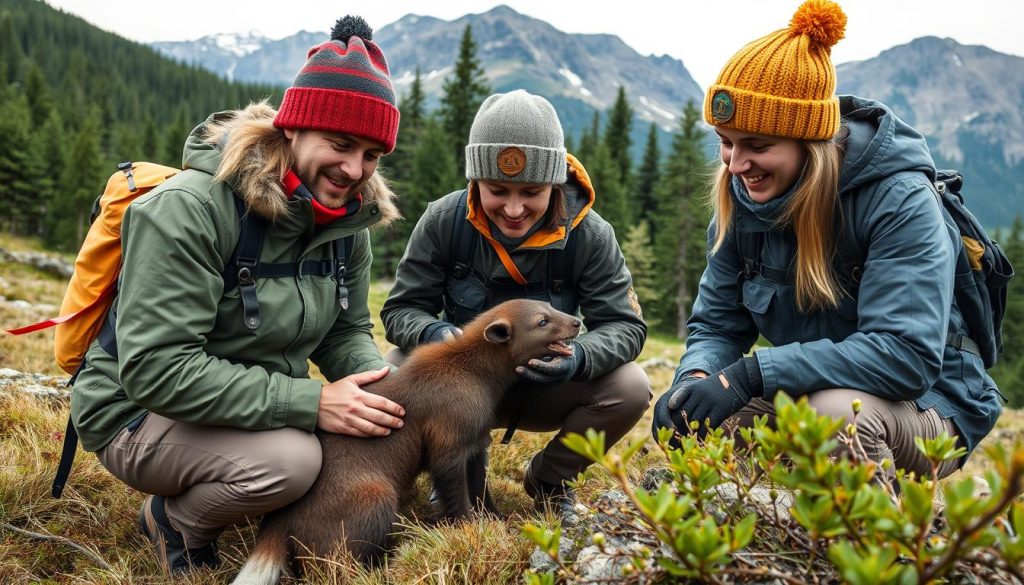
{"points": [[74, 101], [579, 73], [967, 101]]}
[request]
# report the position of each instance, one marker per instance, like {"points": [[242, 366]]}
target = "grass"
{"points": [[99, 512]]}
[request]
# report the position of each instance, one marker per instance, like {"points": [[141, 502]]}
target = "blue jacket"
{"points": [[889, 339]]}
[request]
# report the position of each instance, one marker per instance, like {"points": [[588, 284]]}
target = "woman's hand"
{"points": [[553, 372], [716, 398]]}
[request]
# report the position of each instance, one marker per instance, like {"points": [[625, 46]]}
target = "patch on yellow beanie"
{"points": [[783, 84]]}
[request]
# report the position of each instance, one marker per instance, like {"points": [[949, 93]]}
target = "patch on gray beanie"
{"points": [[516, 137]]}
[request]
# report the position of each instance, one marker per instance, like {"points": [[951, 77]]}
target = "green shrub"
{"points": [[843, 522]]}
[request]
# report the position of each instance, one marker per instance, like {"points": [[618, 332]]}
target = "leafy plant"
{"points": [[826, 518]]}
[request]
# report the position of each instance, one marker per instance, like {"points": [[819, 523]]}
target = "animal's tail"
{"points": [[269, 558]]}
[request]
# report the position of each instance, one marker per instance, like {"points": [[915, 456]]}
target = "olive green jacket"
{"points": [[183, 350]]}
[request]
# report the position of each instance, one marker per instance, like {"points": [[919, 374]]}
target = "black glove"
{"points": [[439, 331], [553, 371], [671, 419], [710, 399]]}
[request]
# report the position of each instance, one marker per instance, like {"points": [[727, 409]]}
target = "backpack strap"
{"points": [[342, 251], [240, 268], [244, 266], [67, 451], [560, 265], [749, 246], [67, 457], [460, 253]]}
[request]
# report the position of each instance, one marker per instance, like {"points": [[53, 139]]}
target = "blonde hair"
{"points": [[811, 212], [256, 156]]}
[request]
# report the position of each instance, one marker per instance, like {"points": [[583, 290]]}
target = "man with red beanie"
{"points": [[199, 391]]}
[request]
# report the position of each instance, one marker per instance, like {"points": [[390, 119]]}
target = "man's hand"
{"points": [[347, 409], [553, 371], [718, 397]]}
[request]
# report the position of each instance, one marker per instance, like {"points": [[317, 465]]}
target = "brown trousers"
{"points": [[886, 428], [213, 477], [613, 403]]}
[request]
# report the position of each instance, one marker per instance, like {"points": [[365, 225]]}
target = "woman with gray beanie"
{"points": [[525, 228]]}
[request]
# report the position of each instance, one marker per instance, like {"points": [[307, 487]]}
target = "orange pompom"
{"points": [[822, 20]]}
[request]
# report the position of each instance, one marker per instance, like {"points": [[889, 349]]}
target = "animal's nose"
{"points": [[576, 324]]}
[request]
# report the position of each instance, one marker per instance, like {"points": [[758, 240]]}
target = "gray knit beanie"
{"points": [[516, 137]]}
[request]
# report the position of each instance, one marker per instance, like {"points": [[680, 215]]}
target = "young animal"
{"points": [[450, 391]]}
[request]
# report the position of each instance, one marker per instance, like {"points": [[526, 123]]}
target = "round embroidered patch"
{"points": [[511, 160], [722, 107], [634, 302]]}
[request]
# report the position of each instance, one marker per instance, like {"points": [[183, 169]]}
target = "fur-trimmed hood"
{"points": [[245, 150]]}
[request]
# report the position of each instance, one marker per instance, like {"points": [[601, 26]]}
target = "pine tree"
{"points": [[647, 178], [11, 54], [16, 187], [1009, 368], [388, 245], [40, 103], [434, 172], [413, 106], [616, 136], [50, 151], [82, 180], [150, 140], [641, 261], [681, 222], [589, 139], [610, 195], [463, 94]]}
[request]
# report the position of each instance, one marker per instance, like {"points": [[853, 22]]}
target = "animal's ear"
{"points": [[500, 331]]}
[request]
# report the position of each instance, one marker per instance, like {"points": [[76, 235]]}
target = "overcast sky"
{"points": [[703, 34]]}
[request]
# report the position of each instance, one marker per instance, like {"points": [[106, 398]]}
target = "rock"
{"points": [[657, 363], [50, 264], [37, 385], [729, 495], [541, 562], [655, 476]]}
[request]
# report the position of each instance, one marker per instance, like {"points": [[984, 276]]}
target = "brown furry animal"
{"points": [[450, 391]]}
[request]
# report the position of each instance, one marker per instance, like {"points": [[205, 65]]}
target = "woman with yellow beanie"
{"points": [[828, 239]]}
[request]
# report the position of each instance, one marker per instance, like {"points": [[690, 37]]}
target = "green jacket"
{"points": [[601, 284], [183, 351]]}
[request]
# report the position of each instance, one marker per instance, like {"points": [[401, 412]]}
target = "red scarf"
{"points": [[322, 215]]}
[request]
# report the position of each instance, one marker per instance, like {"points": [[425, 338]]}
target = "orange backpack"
{"points": [[98, 264]]}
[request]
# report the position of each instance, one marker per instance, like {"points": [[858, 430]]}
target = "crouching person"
{"points": [[200, 394], [525, 228], [827, 239]]}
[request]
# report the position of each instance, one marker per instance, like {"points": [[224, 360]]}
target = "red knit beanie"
{"points": [[345, 86]]}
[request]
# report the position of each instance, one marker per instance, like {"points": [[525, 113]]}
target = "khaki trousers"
{"points": [[886, 428], [613, 403], [213, 477]]}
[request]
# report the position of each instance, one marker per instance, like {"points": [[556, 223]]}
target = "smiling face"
{"points": [[514, 207], [767, 165], [334, 166]]}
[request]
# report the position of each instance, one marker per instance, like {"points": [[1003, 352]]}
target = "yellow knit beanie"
{"points": [[783, 84]]}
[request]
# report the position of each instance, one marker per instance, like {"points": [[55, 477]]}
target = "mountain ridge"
{"points": [[963, 98]]}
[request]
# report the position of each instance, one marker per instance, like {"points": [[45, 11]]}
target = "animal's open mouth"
{"points": [[563, 347]]}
